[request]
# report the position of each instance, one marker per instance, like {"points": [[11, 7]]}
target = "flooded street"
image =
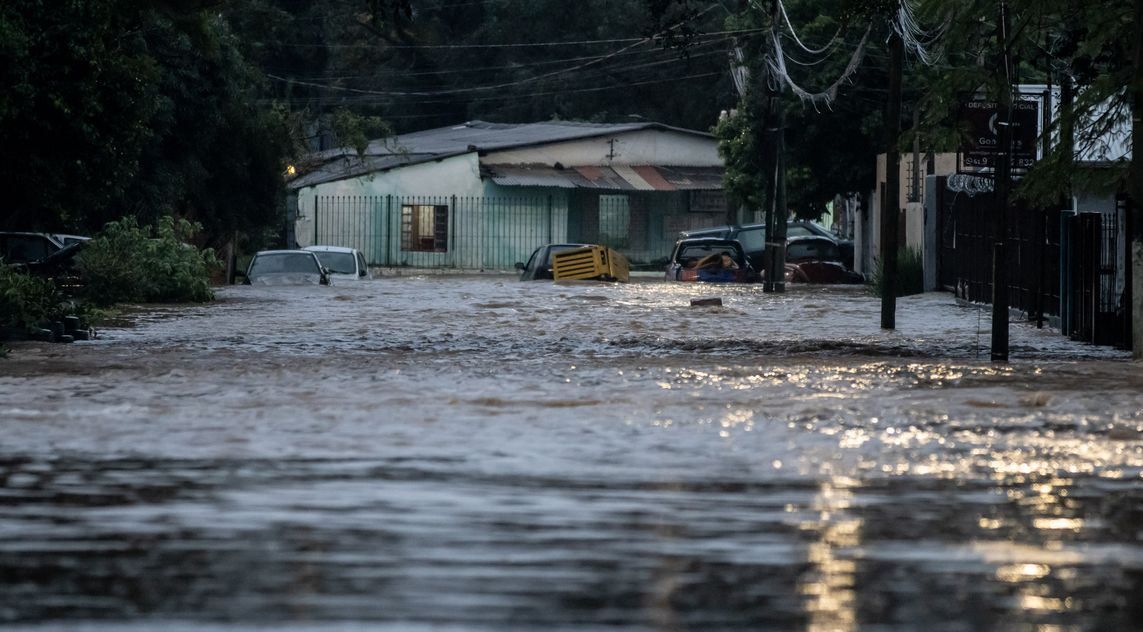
{"points": [[474, 453]]}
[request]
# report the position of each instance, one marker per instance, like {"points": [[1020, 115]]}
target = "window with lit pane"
{"points": [[424, 228]]}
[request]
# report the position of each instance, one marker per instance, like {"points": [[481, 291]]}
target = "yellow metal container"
{"points": [[590, 262]]}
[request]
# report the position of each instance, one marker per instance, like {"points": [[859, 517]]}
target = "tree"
{"points": [[121, 107], [77, 90]]}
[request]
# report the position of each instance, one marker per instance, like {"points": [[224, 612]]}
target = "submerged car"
{"points": [[343, 264], [539, 265], [286, 267], [817, 260], [711, 260], [753, 238], [18, 248]]}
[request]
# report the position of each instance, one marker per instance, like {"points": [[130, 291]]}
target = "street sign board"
{"points": [[979, 149]]}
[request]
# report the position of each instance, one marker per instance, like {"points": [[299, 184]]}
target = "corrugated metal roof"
{"points": [[434, 144], [633, 178], [652, 177], [693, 178], [602, 178], [532, 176], [641, 178]]}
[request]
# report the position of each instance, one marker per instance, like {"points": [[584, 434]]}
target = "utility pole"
{"points": [[1135, 212], [776, 206], [891, 205], [1001, 173]]}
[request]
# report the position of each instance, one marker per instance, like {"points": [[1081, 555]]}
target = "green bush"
{"points": [[128, 263], [910, 274], [27, 301]]}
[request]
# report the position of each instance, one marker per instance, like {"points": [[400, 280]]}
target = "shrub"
{"points": [[910, 274], [26, 301], [128, 263]]}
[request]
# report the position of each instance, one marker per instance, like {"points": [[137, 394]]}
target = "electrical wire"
{"points": [[550, 44], [512, 66], [824, 49], [777, 65], [505, 97], [497, 86], [455, 91]]}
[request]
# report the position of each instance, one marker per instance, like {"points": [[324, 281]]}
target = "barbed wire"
{"points": [[970, 185]]}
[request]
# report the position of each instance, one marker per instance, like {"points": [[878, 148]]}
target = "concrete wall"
{"points": [[916, 220]]}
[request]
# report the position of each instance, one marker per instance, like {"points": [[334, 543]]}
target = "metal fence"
{"points": [[493, 233], [1096, 305], [1062, 263]]}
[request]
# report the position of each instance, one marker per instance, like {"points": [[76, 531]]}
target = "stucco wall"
{"points": [[458, 175]]}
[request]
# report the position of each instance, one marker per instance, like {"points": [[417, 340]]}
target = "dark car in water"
{"points": [[539, 265], [712, 260], [18, 248], [286, 267], [753, 238], [814, 259]]}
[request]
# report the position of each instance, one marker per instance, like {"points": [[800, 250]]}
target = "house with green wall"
{"points": [[483, 195]]}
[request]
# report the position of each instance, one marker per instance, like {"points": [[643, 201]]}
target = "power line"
{"points": [[513, 66], [498, 85], [623, 40], [364, 98]]}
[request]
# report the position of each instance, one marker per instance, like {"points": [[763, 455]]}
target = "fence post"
{"points": [[450, 243], [389, 230], [315, 221]]}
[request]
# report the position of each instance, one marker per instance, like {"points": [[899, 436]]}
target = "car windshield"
{"points": [[339, 262], [284, 263], [698, 251]]}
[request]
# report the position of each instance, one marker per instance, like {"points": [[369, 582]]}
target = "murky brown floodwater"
{"points": [[438, 453]]}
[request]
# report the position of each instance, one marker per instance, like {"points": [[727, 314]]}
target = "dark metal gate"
{"points": [[964, 262], [1097, 300]]}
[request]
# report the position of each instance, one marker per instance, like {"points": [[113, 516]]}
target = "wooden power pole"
{"points": [[891, 205], [776, 211], [1002, 175], [1135, 217]]}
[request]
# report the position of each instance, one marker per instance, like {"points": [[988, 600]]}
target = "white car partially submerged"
{"points": [[343, 264], [286, 267]]}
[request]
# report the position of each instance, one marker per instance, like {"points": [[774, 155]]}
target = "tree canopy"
{"points": [[189, 108]]}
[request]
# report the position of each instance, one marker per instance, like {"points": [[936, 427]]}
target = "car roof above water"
{"points": [[330, 249]]}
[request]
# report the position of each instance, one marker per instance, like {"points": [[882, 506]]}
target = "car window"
{"points": [[812, 249], [797, 230], [698, 251], [338, 262], [752, 239], [532, 259], [25, 248], [284, 263], [361, 265]]}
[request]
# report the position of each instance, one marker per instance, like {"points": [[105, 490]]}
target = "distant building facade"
{"points": [[483, 195]]}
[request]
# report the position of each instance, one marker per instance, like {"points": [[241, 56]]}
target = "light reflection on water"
{"points": [[484, 454]]}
